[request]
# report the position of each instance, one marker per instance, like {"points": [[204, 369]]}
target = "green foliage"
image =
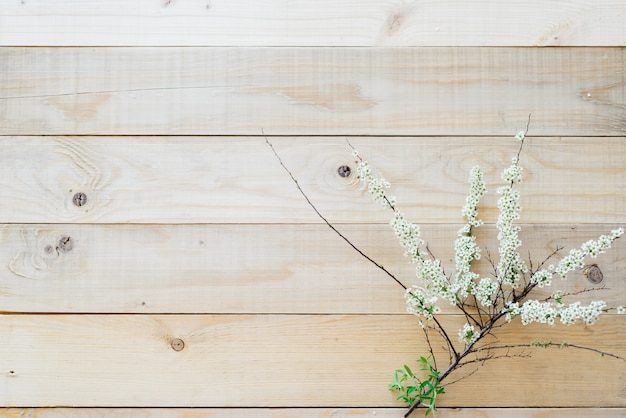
{"points": [[415, 390]]}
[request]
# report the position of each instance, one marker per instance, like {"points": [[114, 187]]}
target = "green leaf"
{"points": [[408, 370]]}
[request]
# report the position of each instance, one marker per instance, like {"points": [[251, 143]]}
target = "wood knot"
{"points": [[177, 344], [79, 199], [65, 244], [344, 171], [593, 273]]}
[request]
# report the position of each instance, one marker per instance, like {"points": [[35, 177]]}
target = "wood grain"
{"points": [[275, 360], [312, 91], [249, 268], [307, 412], [322, 23], [238, 180]]}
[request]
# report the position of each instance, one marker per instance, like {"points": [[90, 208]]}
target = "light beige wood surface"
{"points": [[313, 23], [252, 268], [307, 413], [274, 360], [186, 180], [311, 91], [189, 229]]}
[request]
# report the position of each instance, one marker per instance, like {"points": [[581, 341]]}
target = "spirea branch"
{"points": [[487, 302]]}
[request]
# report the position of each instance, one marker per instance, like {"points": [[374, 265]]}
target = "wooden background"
{"points": [[140, 205]]}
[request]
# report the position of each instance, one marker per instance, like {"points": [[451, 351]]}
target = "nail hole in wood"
{"points": [[593, 273], [66, 244], [80, 199], [177, 344], [344, 171]]}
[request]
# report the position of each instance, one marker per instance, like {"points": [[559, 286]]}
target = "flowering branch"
{"points": [[487, 302]]}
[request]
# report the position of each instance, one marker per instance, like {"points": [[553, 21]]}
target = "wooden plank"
{"points": [[311, 91], [268, 360], [248, 268], [322, 23], [308, 412], [219, 179]]}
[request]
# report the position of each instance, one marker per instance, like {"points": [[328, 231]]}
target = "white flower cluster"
{"points": [[510, 265], [408, 234], [468, 334], [418, 303], [375, 186], [465, 248], [477, 191], [485, 291], [575, 258], [547, 312], [431, 273], [422, 300], [513, 173], [589, 314], [543, 278]]}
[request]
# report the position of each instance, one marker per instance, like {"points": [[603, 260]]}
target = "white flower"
{"points": [[510, 265], [436, 282], [485, 291], [419, 303], [375, 186], [520, 135], [621, 310], [546, 312], [513, 173], [535, 311], [408, 234], [477, 191], [468, 334], [575, 258], [589, 314], [511, 309], [543, 278]]}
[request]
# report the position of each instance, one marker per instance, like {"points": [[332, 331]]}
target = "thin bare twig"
{"points": [[358, 250], [562, 345]]}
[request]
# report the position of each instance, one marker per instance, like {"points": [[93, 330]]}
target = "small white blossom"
{"points": [[375, 186], [546, 312], [468, 334], [485, 291], [419, 303], [510, 265], [621, 310], [520, 135], [436, 282], [512, 309], [513, 173], [589, 314], [535, 311], [477, 191], [543, 278], [591, 248], [408, 234]]}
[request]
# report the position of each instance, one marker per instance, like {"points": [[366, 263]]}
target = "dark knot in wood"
{"points": [[177, 344], [593, 273], [80, 199], [344, 171], [66, 244]]}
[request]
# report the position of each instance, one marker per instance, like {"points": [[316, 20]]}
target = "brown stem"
{"points": [[354, 247]]}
